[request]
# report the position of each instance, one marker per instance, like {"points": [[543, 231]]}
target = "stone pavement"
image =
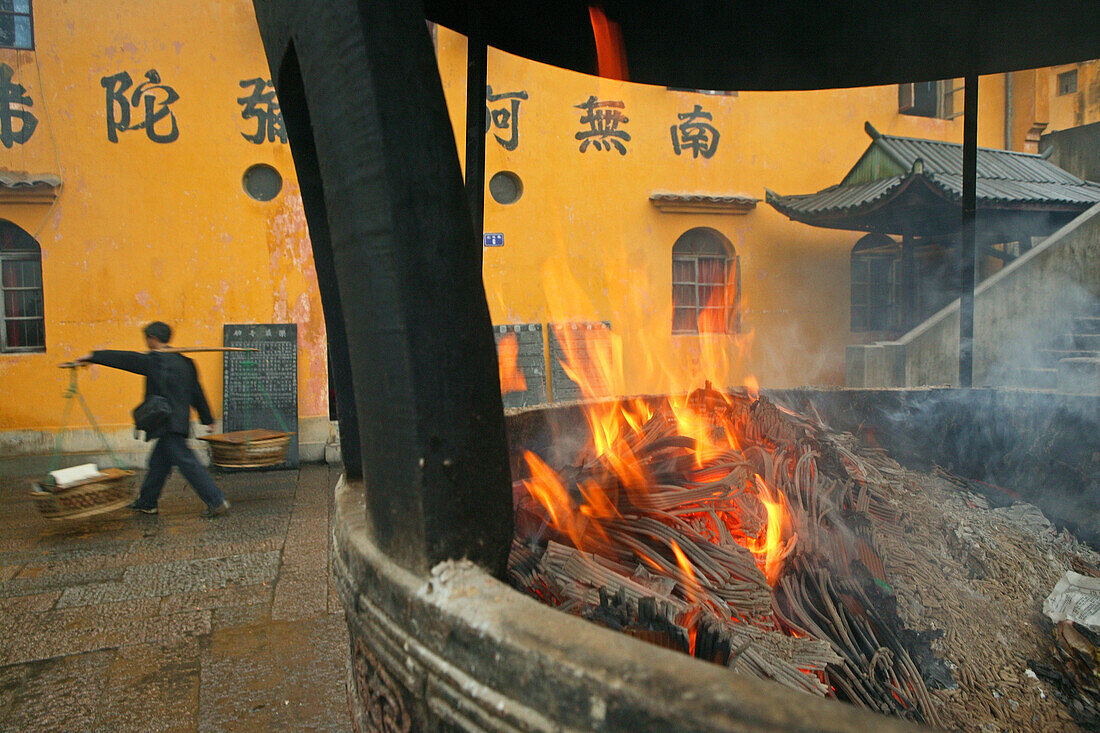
{"points": [[172, 622]]}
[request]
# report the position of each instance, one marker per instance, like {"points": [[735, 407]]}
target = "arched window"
{"points": [[21, 287], [706, 283], [874, 279]]}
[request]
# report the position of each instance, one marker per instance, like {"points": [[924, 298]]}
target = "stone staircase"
{"points": [[1072, 364]]}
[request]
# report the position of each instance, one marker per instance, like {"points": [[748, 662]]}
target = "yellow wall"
{"points": [[589, 213], [1081, 107], [144, 230], [1037, 108]]}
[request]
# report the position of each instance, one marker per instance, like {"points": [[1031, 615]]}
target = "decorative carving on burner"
{"points": [[380, 699]]}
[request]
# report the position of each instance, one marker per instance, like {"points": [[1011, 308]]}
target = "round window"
{"points": [[262, 182], [505, 187]]}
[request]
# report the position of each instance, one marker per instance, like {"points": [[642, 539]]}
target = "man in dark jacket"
{"points": [[173, 376]]}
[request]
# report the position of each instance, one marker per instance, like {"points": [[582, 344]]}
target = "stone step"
{"points": [[1051, 357], [1037, 378], [1079, 375], [1086, 324], [1086, 341]]}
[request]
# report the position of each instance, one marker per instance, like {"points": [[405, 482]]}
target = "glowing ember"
{"points": [[700, 521], [511, 376]]}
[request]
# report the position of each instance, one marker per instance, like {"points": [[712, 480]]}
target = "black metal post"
{"points": [[909, 281], [967, 269], [476, 79]]}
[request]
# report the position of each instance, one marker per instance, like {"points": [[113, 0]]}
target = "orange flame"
{"points": [[685, 567], [770, 547], [593, 359], [511, 376]]}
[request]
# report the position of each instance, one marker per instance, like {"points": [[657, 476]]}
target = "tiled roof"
{"points": [[702, 202], [1004, 178], [18, 179]]}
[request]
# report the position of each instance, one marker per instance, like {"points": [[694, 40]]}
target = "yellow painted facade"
{"points": [[589, 213], [142, 230], [1079, 107]]}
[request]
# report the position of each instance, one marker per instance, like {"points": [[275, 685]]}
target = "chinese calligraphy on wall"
{"points": [[603, 120], [694, 134], [148, 107], [262, 106], [504, 115], [151, 99], [17, 123]]}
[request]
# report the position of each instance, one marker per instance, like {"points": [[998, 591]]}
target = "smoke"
{"points": [[1012, 445], [1020, 343]]}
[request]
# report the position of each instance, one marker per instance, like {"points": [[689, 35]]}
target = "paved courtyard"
{"points": [[172, 622]]}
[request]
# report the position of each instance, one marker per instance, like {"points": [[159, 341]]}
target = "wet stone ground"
{"points": [[172, 622]]}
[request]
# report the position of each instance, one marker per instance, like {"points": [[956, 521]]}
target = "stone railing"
{"points": [[1027, 306]]}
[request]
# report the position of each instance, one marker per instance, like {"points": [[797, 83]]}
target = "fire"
{"points": [[706, 439], [511, 376], [675, 520], [770, 545]]}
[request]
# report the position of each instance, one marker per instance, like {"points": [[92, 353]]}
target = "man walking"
{"points": [[174, 377]]}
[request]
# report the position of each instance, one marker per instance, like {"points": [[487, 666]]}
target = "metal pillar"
{"points": [[967, 269]]}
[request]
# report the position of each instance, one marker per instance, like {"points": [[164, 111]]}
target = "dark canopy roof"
{"points": [[791, 44], [905, 184]]}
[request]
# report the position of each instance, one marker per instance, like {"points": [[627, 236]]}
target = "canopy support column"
{"points": [[967, 268]]}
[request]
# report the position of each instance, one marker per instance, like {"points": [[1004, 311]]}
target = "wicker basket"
{"points": [[113, 490], [248, 448]]}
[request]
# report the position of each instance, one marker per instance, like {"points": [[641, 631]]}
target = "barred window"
{"points": [[16, 24], [21, 308], [705, 283]]}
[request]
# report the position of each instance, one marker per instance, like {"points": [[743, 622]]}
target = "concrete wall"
{"points": [[1076, 150], [1026, 306]]}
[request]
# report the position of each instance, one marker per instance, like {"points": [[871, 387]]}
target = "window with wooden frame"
{"points": [[1067, 82], [21, 313], [930, 98], [705, 284], [16, 24]]}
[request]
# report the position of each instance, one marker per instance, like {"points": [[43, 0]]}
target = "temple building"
{"points": [[145, 175]]}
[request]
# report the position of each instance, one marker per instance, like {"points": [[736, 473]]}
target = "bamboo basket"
{"points": [[113, 490], [248, 448]]}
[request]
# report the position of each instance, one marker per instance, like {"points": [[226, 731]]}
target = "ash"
{"points": [[979, 576], [897, 591]]}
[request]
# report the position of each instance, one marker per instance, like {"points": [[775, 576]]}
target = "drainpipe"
{"points": [[1008, 110], [476, 79]]}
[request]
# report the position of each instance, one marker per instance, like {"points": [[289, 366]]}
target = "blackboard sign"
{"points": [[590, 346], [519, 345], [260, 388]]}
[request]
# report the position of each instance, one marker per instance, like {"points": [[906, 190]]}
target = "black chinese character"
{"points": [[504, 117], [154, 97], [265, 109], [13, 106], [603, 119], [701, 137]]}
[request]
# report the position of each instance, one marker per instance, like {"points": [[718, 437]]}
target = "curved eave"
{"points": [[926, 204], [788, 44]]}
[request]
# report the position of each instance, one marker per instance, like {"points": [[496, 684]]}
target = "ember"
{"points": [[730, 528], [718, 525]]}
